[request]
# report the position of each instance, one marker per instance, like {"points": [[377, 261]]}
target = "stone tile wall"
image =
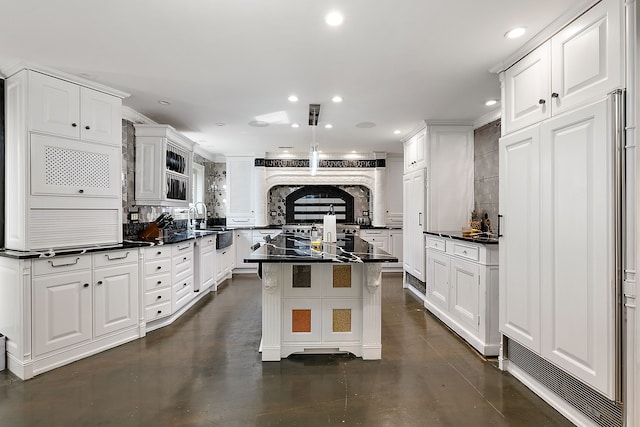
{"points": [[486, 171]]}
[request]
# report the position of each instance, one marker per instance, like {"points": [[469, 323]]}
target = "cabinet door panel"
{"points": [[520, 241], [61, 310], [577, 297], [62, 166], [586, 57], [438, 288], [207, 267], [465, 288], [115, 299], [101, 116], [54, 106], [526, 83]]}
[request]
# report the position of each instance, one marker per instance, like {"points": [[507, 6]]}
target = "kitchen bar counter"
{"points": [[320, 301], [296, 248], [480, 238]]}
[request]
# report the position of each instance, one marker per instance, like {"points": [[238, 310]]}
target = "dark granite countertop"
{"points": [[479, 238], [296, 248], [127, 244]]}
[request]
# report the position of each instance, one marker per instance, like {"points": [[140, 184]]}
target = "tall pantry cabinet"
{"points": [[63, 162], [557, 272], [437, 187]]}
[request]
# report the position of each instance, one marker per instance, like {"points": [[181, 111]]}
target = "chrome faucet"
{"points": [[188, 212], [204, 223]]}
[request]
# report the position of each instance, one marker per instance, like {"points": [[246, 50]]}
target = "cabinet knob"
{"points": [[159, 267], [159, 282], [184, 259], [541, 101], [81, 191], [555, 95], [159, 311], [99, 282], [184, 285], [87, 127], [159, 253], [73, 125], [159, 296], [86, 285]]}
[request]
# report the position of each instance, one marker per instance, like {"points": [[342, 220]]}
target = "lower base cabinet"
{"points": [[462, 290]]}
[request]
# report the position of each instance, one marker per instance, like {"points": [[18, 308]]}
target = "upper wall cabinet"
{"points": [[414, 152], [163, 166], [579, 64], [62, 108], [240, 191], [63, 162]]}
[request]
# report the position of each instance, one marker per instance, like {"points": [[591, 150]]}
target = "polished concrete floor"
{"points": [[204, 370]]}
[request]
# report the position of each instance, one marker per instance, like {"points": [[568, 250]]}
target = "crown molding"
{"points": [[545, 34], [133, 116], [487, 118]]}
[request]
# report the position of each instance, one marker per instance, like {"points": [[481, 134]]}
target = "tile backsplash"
{"points": [[486, 171]]}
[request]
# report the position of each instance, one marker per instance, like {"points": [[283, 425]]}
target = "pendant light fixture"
{"points": [[314, 156]]}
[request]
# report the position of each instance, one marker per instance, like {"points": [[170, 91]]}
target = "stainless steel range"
{"points": [[305, 229]]}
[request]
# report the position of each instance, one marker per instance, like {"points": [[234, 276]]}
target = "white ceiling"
{"points": [[395, 63]]}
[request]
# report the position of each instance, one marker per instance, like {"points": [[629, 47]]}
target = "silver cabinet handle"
{"points": [[419, 218], [66, 264], [116, 258], [500, 220], [184, 247]]}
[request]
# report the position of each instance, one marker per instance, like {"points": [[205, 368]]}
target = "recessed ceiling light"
{"points": [[334, 19], [295, 125], [514, 33], [286, 151], [328, 126], [397, 131], [220, 124], [491, 102], [163, 102], [337, 98], [293, 98], [354, 151]]}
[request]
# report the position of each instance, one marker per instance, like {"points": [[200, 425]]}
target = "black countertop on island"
{"points": [[479, 238], [296, 248]]}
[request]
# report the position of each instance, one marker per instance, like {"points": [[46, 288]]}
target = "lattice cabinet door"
{"points": [[61, 166]]}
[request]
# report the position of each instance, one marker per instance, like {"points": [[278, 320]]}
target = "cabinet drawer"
{"points": [[469, 252], [157, 311], [182, 266], [61, 264], [156, 297], [157, 252], [105, 259], [438, 244], [181, 248], [157, 281], [158, 266]]}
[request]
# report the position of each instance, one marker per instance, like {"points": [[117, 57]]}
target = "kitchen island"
{"points": [[320, 300]]}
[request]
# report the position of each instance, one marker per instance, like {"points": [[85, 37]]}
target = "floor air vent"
{"points": [[592, 404]]}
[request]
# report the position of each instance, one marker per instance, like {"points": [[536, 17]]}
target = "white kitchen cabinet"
{"points": [[164, 160], [240, 191], [378, 237], [576, 66], [157, 288], [115, 294], [205, 263], [415, 151], [396, 246], [62, 312], [462, 289], [556, 199], [520, 268], [577, 302], [439, 197], [394, 169], [181, 274], [63, 162], [225, 263], [414, 188], [59, 107], [243, 240]]}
